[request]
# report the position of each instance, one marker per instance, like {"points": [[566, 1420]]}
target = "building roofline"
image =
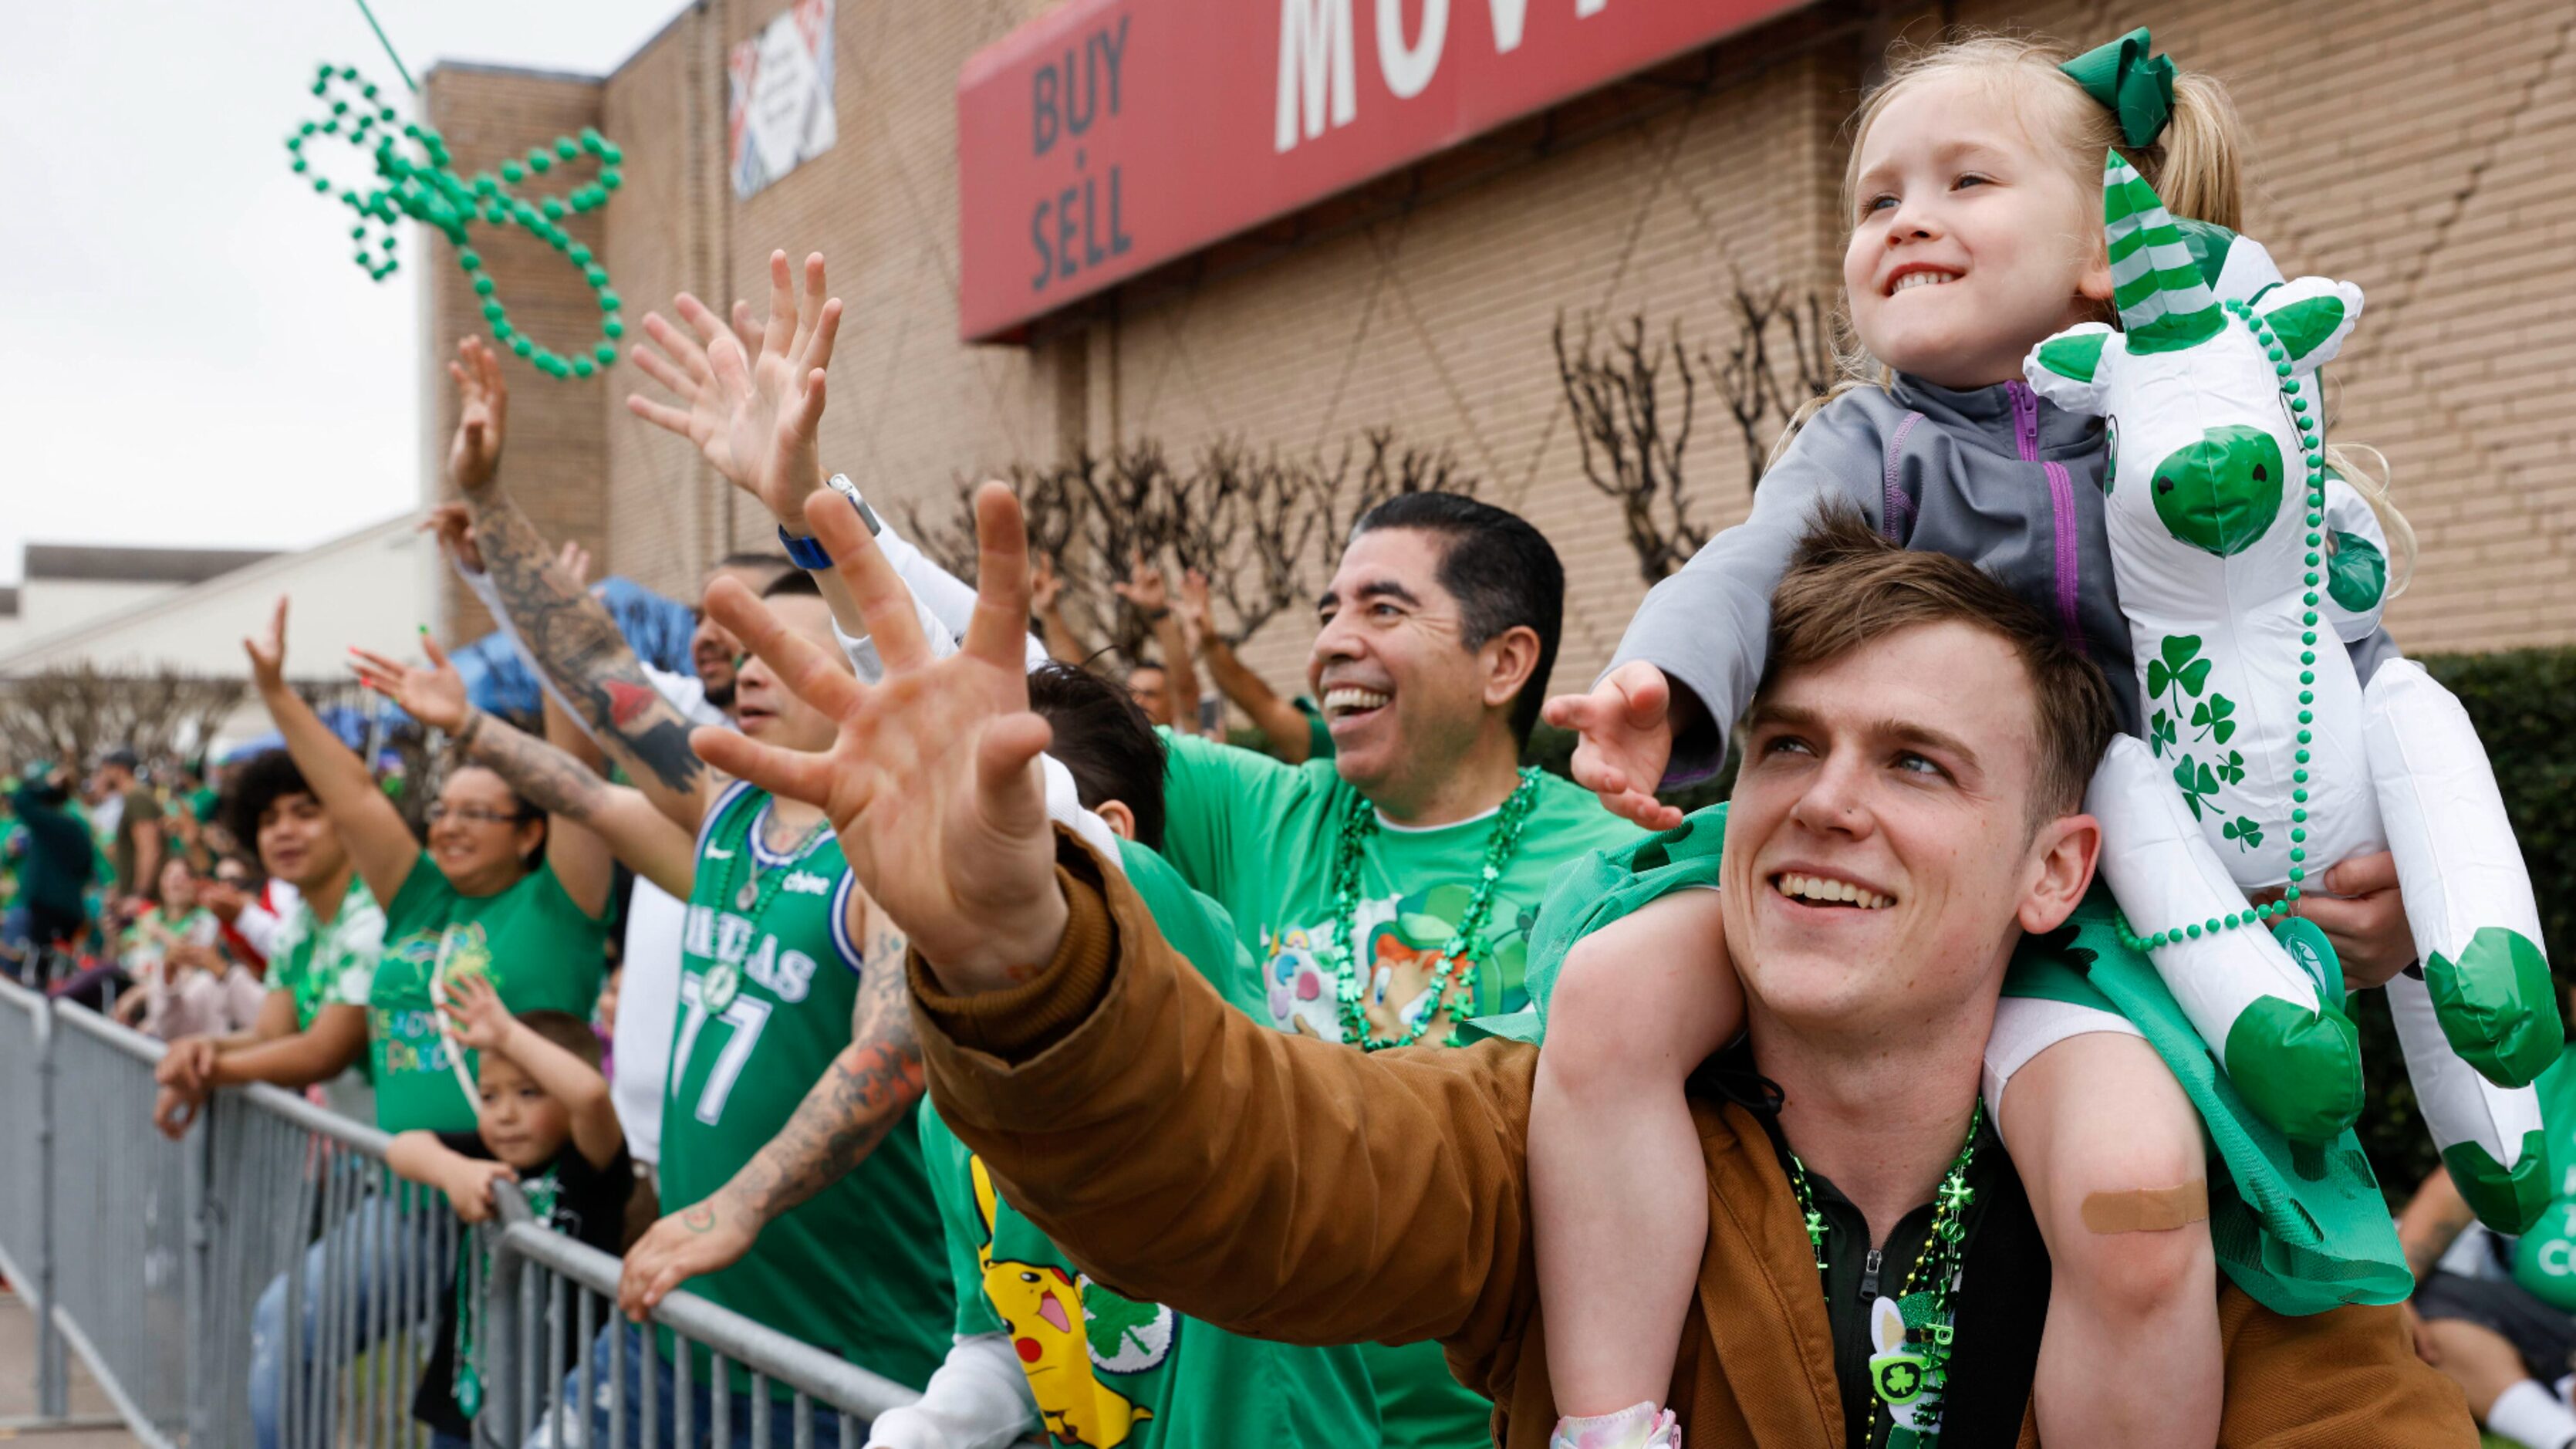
{"points": [[19, 659], [518, 72], [694, 7], [117, 563]]}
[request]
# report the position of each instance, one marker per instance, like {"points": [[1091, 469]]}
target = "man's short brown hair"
{"points": [[1847, 587]]}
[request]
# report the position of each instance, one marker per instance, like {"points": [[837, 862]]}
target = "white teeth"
{"points": [[1819, 888], [1919, 279], [1350, 697]]}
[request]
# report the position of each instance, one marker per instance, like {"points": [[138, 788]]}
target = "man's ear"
{"points": [[1120, 820], [2062, 856], [1509, 659]]}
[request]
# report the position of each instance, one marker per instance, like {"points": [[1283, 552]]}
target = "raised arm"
{"points": [[592, 814], [1281, 723], [860, 1098], [1046, 598], [377, 840], [484, 1024], [1146, 588], [1177, 1149], [568, 634]]}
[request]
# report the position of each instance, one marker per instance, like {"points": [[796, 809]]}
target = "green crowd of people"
{"points": [[983, 1021]]}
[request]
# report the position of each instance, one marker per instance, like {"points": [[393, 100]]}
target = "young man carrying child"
{"points": [[543, 1121]]}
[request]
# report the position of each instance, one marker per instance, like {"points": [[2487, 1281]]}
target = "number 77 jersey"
{"points": [[769, 978]]}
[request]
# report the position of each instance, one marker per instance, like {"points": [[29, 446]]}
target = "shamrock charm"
{"points": [[423, 188]]}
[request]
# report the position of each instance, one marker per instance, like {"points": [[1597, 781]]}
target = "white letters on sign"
{"points": [[1314, 52], [1408, 68], [1316, 84]]}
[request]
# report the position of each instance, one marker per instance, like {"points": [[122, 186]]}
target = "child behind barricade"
{"points": [[543, 1121], [1974, 200]]}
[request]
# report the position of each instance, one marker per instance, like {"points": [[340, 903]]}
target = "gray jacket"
{"points": [[1996, 476]]}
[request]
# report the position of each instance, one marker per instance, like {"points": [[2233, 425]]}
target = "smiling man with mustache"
{"points": [[1387, 892]]}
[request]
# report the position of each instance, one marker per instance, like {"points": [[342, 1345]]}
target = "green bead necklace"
{"points": [[423, 188], [2314, 448], [751, 898], [1936, 1266], [1342, 953]]}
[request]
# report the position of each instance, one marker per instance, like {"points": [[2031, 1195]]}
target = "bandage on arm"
{"points": [[2147, 1210]]}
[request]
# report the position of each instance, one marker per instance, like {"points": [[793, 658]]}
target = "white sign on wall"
{"points": [[780, 111]]}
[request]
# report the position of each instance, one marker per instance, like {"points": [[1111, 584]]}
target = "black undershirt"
{"points": [[1996, 1315]]}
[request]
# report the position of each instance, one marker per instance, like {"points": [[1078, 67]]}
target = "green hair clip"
{"points": [[2130, 82]]}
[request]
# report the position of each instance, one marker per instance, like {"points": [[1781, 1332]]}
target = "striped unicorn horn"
{"points": [[2164, 304]]}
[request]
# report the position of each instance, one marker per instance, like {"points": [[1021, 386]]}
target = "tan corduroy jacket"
{"points": [[1281, 1187]]}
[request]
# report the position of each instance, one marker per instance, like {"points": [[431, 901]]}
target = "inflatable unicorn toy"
{"points": [[2244, 568]]}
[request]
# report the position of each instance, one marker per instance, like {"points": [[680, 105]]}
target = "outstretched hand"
{"points": [[454, 525], [1144, 588], [932, 783], [475, 1011], [483, 413], [753, 415], [435, 695], [268, 652], [1044, 587], [1626, 726]]}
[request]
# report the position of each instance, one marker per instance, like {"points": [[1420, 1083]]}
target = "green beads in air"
{"points": [[419, 184]]}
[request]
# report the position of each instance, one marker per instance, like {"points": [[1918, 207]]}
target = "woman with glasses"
{"points": [[503, 892]]}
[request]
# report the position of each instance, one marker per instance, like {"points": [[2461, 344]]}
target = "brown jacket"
{"points": [[1282, 1187]]}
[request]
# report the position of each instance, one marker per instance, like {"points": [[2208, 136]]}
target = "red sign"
{"points": [[1110, 136]]}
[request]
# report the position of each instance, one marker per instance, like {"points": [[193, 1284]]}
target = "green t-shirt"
{"points": [[1319, 731], [328, 963], [766, 996], [539, 949], [1106, 1369], [2557, 1091], [1262, 838], [1197, 927]]}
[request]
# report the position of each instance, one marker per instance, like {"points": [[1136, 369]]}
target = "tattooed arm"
{"points": [[566, 632], [860, 1098], [587, 811], [647, 840]]}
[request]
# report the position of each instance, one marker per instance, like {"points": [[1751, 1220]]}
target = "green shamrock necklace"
{"points": [[1342, 953]]}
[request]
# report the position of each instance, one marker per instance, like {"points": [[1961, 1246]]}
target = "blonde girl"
{"points": [[1974, 200]]}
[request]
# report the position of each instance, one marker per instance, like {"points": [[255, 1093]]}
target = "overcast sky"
{"points": [[187, 354]]}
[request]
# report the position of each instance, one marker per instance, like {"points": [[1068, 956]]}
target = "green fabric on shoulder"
{"points": [[2300, 1229]]}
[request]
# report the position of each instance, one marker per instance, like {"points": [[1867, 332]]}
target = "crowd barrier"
{"points": [[264, 1281]]}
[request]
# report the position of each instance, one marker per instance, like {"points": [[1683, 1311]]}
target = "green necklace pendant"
{"points": [[1342, 953], [1909, 1375]]}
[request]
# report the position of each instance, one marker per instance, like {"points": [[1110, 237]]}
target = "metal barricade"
{"points": [[708, 1377], [265, 1280]]}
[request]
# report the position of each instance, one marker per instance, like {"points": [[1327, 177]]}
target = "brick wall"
{"points": [[2403, 146], [554, 458]]}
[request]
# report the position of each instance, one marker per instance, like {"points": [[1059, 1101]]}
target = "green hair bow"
{"points": [[2135, 85]]}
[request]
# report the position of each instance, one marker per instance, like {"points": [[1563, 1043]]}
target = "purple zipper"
{"points": [[2061, 508], [1894, 501]]}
